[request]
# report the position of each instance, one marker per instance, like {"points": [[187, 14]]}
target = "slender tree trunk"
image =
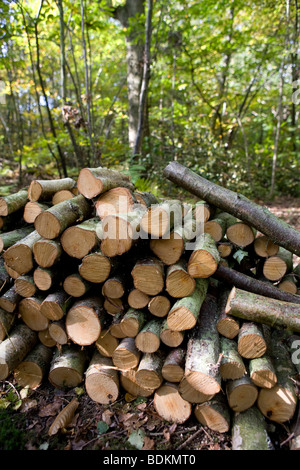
{"points": [[277, 132]]}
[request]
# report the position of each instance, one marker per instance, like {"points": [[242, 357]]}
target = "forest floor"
{"points": [[128, 424]]}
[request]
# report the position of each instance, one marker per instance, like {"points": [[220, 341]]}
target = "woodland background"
{"points": [[132, 85]]}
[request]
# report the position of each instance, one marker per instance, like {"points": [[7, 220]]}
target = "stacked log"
{"points": [[125, 292]]}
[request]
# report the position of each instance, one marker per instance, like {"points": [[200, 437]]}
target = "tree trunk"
{"points": [[249, 431]]}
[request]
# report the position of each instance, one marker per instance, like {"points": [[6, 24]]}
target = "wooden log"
{"points": [[227, 325], [170, 248], [121, 232], [13, 221], [137, 299], [55, 305], [130, 385], [203, 351], [145, 198], [10, 238], [232, 365], [279, 403], [75, 285], [85, 319], [94, 181], [241, 393], [102, 380], [45, 189], [115, 327], [115, 201], [178, 281], [205, 257], [32, 209], [216, 227], [225, 249], [260, 309], [47, 252], [78, 240], [106, 343], [173, 366], [95, 267], [236, 204], [262, 372], [214, 414], [25, 286], [275, 267], [113, 306], [149, 371], [249, 431], [192, 395], [7, 321], [249, 284], [67, 367], [4, 275], [159, 306], [19, 256], [241, 234], [13, 202], [58, 332], [61, 196], [160, 218], [46, 278], [264, 247], [148, 339], [114, 287], [30, 311], [46, 339], [202, 211], [34, 368], [251, 341], [126, 355], [170, 337], [288, 284], [184, 313], [52, 222], [15, 348], [10, 299], [148, 276], [169, 404], [132, 322], [11, 272]]}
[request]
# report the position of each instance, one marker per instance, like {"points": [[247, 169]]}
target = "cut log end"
{"points": [[278, 404], [170, 406], [202, 264]]}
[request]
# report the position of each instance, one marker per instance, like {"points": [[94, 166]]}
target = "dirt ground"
{"points": [[26, 416]]}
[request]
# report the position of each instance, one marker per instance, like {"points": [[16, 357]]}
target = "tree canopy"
{"points": [[212, 84]]}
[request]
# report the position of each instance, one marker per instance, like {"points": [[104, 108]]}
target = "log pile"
{"points": [[190, 303]]}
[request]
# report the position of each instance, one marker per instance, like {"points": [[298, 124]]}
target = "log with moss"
{"points": [[232, 365], [52, 222], [10, 238], [15, 348], [260, 309], [67, 367], [13, 202], [94, 181], [227, 325], [43, 190], [249, 431], [184, 313], [19, 256], [78, 240], [203, 351], [149, 371], [205, 257], [148, 339], [34, 368], [236, 204], [279, 403]]}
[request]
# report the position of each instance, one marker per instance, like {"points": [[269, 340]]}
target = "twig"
{"points": [[189, 439]]}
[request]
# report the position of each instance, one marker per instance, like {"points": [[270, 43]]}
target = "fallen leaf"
{"points": [[148, 443], [51, 409], [129, 398], [64, 417], [28, 404], [137, 438], [102, 427], [106, 416]]}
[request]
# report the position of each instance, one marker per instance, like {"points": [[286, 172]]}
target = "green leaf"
{"points": [[102, 427], [137, 438], [44, 446], [239, 255]]}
